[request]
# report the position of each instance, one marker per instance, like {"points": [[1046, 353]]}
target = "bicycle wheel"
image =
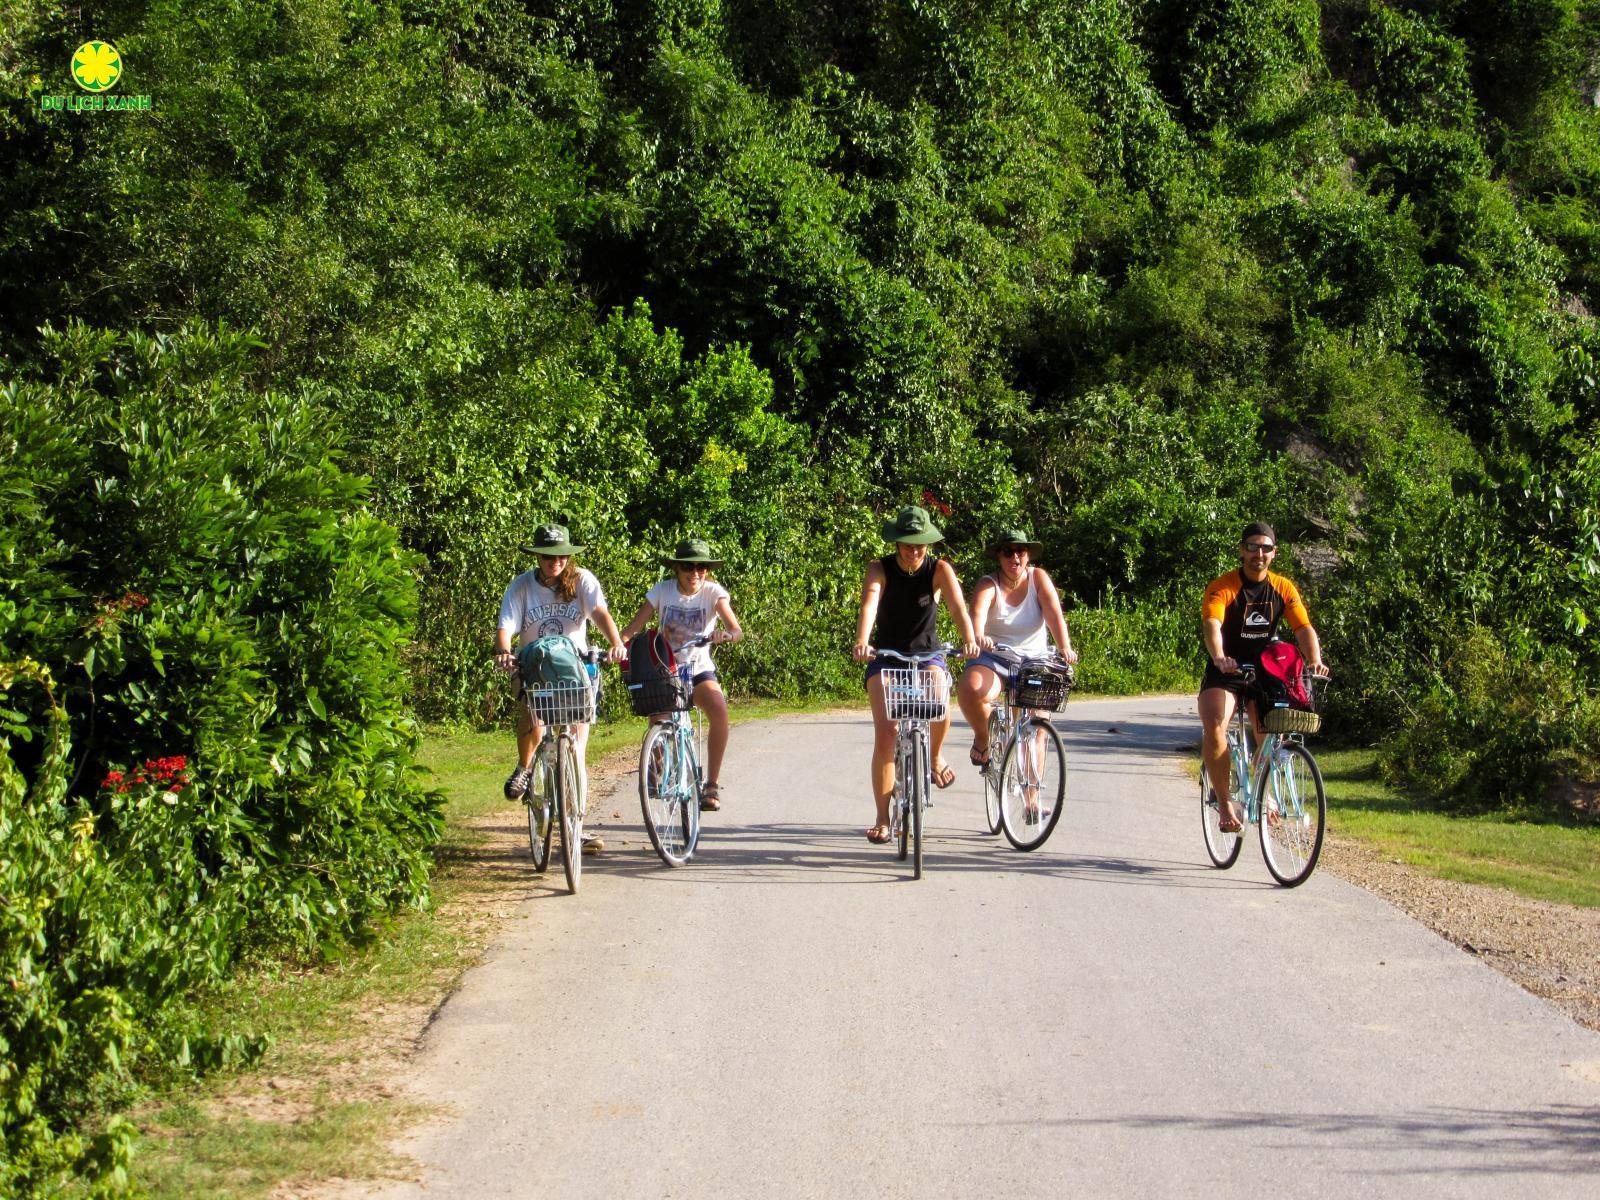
{"points": [[540, 802], [1294, 815], [916, 798], [991, 773], [569, 812], [1223, 848], [1033, 784], [661, 796]]}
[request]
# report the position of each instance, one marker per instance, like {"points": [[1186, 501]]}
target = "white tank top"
{"points": [[1022, 626]]}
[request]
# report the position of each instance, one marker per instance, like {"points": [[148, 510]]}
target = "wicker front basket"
{"points": [[1291, 720]]}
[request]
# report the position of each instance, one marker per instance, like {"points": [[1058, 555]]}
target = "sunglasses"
{"points": [[1014, 551], [1260, 547]]}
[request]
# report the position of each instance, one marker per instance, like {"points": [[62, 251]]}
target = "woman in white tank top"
{"points": [[1017, 606]]}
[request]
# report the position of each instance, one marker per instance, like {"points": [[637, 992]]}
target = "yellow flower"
{"points": [[96, 66]]}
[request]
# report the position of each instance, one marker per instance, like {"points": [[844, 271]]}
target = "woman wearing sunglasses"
{"points": [[1017, 606]]}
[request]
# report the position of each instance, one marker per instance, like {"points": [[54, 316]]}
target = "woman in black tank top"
{"points": [[907, 615], [899, 610]]}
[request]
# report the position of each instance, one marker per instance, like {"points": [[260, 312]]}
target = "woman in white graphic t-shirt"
{"points": [[689, 605], [556, 597]]}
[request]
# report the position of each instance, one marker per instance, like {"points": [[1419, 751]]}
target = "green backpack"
{"points": [[551, 662]]}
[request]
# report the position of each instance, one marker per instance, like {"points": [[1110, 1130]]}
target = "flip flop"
{"points": [[879, 835], [943, 775], [977, 758], [1227, 822]]}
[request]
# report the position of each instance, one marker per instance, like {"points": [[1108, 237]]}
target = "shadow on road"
{"points": [[829, 855], [1560, 1139]]}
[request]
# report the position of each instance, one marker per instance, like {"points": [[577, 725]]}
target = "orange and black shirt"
{"points": [[1250, 612]]}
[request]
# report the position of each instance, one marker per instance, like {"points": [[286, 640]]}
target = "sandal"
{"points": [[943, 775], [879, 835], [1227, 822], [710, 797], [978, 758]]}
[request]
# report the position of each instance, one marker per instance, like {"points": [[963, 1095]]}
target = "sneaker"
{"points": [[517, 783], [593, 843]]}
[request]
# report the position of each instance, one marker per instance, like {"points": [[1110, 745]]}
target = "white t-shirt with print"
{"points": [[531, 611], [684, 617]]}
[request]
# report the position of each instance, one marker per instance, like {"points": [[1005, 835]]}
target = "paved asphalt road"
{"points": [[793, 1015]]}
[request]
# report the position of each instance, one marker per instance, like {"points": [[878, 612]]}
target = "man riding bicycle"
{"points": [[1238, 618]]}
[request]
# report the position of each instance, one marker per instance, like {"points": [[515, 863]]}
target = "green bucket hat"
{"points": [[693, 550], [914, 525], [1015, 537], [551, 539]]}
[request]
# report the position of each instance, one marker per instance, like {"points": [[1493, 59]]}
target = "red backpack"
{"points": [[1283, 676]]}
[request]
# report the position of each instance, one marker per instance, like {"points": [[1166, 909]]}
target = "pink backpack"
{"points": [[1285, 675]]}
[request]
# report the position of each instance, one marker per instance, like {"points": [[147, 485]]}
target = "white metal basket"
{"points": [[916, 695], [561, 703]]}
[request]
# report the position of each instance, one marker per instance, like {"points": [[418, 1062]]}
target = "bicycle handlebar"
{"points": [[917, 660]]}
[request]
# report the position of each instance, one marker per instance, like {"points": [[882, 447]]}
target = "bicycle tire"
{"points": [[661, 796], [921, 776], [898, 812], [1292, 844], [693, 788], [1028, 825], [569, 813], [991, 773], [539, 842], [1221, 847]]}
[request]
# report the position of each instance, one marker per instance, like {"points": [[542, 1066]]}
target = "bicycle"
{"points": [[914, 698], [1025, 779], [1280, 789], [669, 764], [557, 792]]}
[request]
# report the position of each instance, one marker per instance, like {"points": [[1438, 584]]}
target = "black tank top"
{"points": [[907, 615]]}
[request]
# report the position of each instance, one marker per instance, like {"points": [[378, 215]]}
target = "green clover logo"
{"points": [[96, 66]]}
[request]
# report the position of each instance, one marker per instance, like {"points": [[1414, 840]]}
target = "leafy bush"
{"points": [[212, 630], [1497, 731]]}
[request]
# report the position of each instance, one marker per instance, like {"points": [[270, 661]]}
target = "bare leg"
{"points": [[529, 732], [976, 694], [1216, 710], [883, 736], [710, 699]]}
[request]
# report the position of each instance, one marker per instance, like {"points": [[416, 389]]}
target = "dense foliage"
{"points": [[1129, 271], [205, 744]]}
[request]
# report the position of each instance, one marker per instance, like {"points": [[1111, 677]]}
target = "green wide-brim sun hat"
{"points": [[912, 524], [1015, 537], [552, 540], [693, 550]]}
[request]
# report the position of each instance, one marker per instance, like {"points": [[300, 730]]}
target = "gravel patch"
{"points": [[1552, 950]]}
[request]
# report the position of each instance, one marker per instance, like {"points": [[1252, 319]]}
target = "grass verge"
{"points": [[1558, 863], [320, 1105]]}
